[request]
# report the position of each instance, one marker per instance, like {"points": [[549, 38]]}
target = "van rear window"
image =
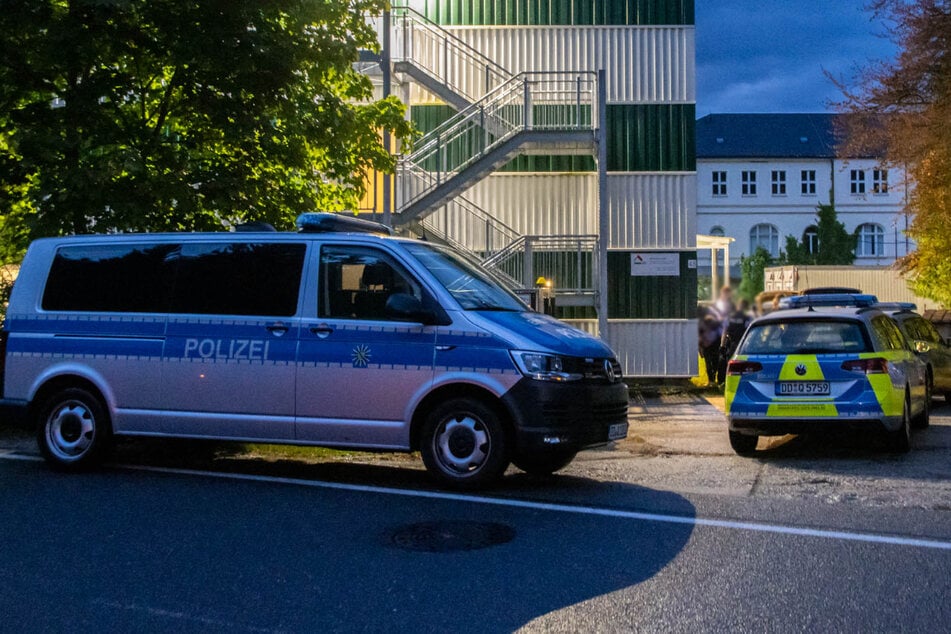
{"points": [[192, 278], [118, 278]]}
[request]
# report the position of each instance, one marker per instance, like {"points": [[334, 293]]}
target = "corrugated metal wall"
{"points": [[653, 297], [643, 65], [653, 347], [647, 210], [557, 12]]}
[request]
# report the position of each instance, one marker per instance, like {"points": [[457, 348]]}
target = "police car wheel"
{"points": [[899, 441], [543, 464], [73, 430], [743, 444], [464, 444]]}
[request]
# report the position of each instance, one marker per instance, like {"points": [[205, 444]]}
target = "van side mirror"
{"points": [[406, 307]]}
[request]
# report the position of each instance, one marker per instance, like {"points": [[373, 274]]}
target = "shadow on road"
{"points": [[144, 550]]}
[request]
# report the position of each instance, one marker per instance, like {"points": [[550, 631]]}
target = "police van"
{"points": [[339, 335]]}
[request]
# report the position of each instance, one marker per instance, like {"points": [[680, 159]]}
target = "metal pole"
{"points": [[604, 222], [528, 271], [387, 141]]}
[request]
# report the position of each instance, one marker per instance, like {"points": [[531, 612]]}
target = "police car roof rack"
{"points": [[325, 222], [829, 300]]}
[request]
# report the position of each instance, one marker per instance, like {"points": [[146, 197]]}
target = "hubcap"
{"points": [[70, 430], [462, 444]]}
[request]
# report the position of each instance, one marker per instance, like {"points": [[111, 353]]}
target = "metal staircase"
{"points": [[499, 116], [549, 113]]}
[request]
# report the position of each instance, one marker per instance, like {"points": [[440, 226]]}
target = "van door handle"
{"points": [[277, 329], [323, 330]]}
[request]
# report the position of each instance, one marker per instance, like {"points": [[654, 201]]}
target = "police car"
{"points": [[818, 366]]}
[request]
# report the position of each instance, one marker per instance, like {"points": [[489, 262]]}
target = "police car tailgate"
{"points": [[805, 385]]}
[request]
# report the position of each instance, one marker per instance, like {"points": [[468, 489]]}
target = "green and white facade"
{"points": [[646, 50]]}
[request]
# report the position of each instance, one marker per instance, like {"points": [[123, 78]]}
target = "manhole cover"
{"points": [[447, 537]]}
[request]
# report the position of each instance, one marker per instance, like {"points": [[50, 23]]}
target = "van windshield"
{"points": [[472, 287]]}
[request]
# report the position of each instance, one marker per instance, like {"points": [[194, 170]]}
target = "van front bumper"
{"points": [[560, 417]]}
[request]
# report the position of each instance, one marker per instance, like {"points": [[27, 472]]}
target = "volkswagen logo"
{"points": [[801, 369], [609, 371]]}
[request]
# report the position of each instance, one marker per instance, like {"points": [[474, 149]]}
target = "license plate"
{"points": [[803, 388], [617, 431]]}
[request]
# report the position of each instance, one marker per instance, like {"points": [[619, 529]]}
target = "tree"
{"points": [[903, 107], [834, 245], [162, 115], [751, 269]]}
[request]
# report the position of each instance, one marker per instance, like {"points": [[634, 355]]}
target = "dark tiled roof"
{"points": [[744, 136]]}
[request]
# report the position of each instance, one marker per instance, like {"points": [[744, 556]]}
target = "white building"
{"points": [[760, 178]]}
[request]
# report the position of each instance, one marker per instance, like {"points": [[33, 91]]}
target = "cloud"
{"points": [[770, 55]]}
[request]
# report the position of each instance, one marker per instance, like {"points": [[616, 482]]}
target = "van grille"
{"points": [[593, 369]]}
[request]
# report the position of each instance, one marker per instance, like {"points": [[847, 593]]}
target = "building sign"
{"points": [[655, 264]]}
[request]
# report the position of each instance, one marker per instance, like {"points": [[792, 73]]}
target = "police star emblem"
{"points": [[361, 356]]}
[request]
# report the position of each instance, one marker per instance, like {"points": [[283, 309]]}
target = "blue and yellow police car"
{"points": [[819, 365]]}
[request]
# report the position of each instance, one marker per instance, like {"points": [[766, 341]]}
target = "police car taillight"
{"points": [[743, 367], [866, 366]]}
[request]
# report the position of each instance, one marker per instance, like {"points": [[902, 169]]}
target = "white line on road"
{"points": [[872, 538]]}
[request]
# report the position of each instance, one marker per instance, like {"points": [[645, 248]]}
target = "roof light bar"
{"points": [[828, 300], [325, 222]]}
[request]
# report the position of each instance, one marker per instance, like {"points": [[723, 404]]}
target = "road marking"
{"points": [[871, 538]]}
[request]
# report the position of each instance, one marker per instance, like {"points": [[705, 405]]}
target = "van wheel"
{"points": [[545, 463], [73, 430], [743, 444], [464, 444], [899, 441]]}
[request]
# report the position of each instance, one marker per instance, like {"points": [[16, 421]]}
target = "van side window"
{"points": [[239, 279], [120, 278], [355, 283]]}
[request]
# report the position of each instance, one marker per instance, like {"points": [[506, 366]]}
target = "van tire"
{"points": [[73, 430], [743, 444], [464, 444], [544, 464]]}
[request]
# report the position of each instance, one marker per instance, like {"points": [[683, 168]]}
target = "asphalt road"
{"points": [[268, 549]]}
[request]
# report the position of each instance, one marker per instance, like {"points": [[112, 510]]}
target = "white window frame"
{"points": [[870, 240], [880, 181], [748, 181], [765, 235], [778, 181], [719, 188], [808, 178], [857, 182]]}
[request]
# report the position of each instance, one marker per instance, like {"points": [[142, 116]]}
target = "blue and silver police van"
{"points": [[339, 335]]}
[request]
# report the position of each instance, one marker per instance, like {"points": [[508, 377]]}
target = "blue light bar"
{"points": [[828, 300], [324, 222]]}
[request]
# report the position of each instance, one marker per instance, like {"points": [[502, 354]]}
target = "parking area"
{"points": [[677, 443]]}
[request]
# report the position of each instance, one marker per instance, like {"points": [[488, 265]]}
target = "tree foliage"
{"points": [[751, 270], [165, 115], [904, 107], [835, 245]]}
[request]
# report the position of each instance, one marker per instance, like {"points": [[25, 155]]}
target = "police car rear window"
{"points": [[805, 337]]}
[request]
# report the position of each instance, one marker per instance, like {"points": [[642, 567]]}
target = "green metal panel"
{"points": [[641, 138], [651, 138], [632, 297], [560, 12]]}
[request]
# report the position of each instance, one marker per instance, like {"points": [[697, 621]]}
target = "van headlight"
{"points": [[543, 367]]}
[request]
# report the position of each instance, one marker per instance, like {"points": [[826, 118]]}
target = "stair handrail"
{"points": [[511, 108], [406, 20]]}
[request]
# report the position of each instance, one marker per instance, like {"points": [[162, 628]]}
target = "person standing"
{"points": [[733, 330]]}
